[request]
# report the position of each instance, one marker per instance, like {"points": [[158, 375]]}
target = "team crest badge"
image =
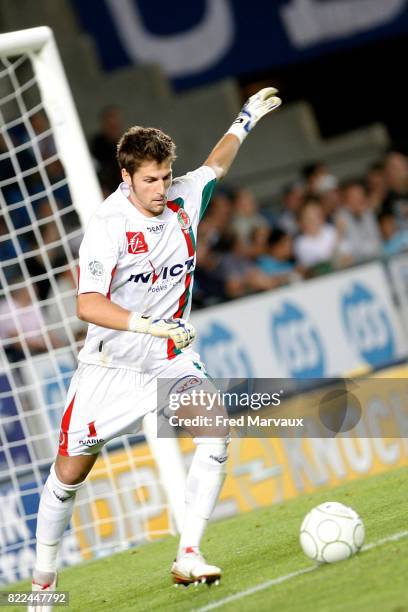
{"points": [[183, 219], [136, 243]]}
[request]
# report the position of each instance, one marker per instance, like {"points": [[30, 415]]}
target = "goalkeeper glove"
{"points": [[180, 331], [253, 110]]}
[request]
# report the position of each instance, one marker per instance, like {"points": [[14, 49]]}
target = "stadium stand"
{"points": [[288, 140]]}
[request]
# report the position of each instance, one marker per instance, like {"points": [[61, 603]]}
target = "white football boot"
{"points": [[191, 567], [43, 582]]}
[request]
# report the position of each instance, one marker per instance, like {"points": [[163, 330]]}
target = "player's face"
{"points": [[149, 186]]}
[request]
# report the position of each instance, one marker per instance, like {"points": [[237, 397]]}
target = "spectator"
{"points": [[61, 314], [318, 179], [46, 146], [329, 196], [208, 283], [278, 261], [376, 186], [49, 154], [247, 217], [239, 273], [318, 242], [103, 148], [22, 324], [358, 224], [292, 200], [396, 178], [395, 240], [217, 218]]}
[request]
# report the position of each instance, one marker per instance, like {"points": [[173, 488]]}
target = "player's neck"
{"points": [[140, 208]]}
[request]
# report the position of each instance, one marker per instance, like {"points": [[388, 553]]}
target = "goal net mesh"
{"points": [[123, 502]]}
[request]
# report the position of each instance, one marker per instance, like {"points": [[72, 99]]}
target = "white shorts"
{"points": [[103, 403]]}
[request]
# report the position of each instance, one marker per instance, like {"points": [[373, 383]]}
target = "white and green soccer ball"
{"points": [[331, 532]]}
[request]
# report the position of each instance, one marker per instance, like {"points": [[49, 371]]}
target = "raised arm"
{"points": [[225, 151]]}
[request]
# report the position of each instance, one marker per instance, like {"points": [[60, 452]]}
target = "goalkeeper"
{"points": [[136, 267]]}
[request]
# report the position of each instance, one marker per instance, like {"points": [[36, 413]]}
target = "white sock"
{"points": [[54, 513], [46, 557], [204, 483]]}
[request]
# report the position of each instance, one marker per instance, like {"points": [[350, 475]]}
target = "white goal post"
{"points": [[48, 190], [39, 44]]}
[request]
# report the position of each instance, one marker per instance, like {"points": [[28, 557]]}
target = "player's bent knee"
{"points": [[73, 470]]}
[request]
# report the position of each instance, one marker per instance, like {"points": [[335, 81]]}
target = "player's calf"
{"points": [[54, 513]]}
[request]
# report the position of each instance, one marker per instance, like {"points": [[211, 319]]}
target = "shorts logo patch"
{"points": [[96, 269], [136, 243], [187, 383], [183, 219], [91, 441]]}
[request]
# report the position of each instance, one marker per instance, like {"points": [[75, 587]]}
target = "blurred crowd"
{"points": [[317, 225]]}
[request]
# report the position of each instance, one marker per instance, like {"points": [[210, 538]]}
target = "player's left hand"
{"points": [[179, 330], [263, 102]]}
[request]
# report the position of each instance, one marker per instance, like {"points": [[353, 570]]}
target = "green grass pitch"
{"points": [[259, 546]]}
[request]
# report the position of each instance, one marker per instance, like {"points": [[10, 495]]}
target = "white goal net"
{"points": [[48, 190]]}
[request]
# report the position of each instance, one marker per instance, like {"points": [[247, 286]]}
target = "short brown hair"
{"points": [[139, 144]]}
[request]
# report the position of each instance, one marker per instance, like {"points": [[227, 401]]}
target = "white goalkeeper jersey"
{"points": [[144, 264]]}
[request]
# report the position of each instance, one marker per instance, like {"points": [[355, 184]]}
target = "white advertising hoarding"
{"points": [[398, 267], [324, 327]]}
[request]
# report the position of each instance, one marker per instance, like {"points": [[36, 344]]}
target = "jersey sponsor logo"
{"points": [[136, 243], [165, 273], [155, 229], [183, 219], [96, 269]]}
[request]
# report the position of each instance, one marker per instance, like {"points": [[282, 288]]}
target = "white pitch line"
{"points": [[391, 538], [280, 579]]}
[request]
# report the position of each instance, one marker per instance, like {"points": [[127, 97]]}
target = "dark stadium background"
{"points": [[349, 89]]}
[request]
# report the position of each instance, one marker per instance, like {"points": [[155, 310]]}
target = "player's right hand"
{"points": [[180, 331]]}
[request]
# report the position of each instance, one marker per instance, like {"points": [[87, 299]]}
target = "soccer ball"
{"points": [[331, 532]]}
